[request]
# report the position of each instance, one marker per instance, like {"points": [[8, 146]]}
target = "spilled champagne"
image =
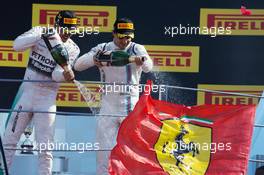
{"points": [[86, 93]]}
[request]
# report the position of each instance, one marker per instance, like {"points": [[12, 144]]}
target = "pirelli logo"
{"points": [[69, 96], [174, 58], [239, 24], [226, 99], [11, 58], [88, 16]]}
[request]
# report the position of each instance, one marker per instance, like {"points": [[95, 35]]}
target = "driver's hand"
{"points": [[97, 63], [139, 60], [68, 75]]}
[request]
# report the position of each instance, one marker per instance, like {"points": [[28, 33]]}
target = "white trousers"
{"points": [[36, 99], [107, 126]]}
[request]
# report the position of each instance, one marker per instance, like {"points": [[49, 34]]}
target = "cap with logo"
{"points": [[124, 27], [66, 18]]}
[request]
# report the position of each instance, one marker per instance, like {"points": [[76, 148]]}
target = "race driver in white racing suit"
{"points": [[116, 103], [40, 96]]}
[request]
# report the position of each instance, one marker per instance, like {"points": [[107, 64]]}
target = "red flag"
{"points": [[244, 11], [160, 138]]}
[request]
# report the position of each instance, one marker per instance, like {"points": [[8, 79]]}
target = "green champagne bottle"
{"points": [[57, 50], [116, 58], [120, 58], [60, 55], [113, 58]]}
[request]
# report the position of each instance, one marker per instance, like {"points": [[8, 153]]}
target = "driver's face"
{"points": [[65, 37], [123, 42], [65, 33]]}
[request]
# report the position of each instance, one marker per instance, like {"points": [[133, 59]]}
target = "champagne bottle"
{"points": [[117, 58], [120, 58], [60, 55], [58, 51]]}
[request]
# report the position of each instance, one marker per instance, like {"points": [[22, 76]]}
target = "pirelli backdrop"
{"points": [[180, 37]]}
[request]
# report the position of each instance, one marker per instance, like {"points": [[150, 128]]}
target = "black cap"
{"points": [[66, 18], [124, 27]]}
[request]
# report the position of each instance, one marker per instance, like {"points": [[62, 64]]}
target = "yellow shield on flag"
{"points": [[183, 148]]}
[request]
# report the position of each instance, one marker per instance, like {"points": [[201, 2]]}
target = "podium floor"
{"points": [[27, 164]]}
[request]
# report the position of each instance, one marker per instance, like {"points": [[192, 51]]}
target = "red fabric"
{"points": [[244, 11], [134, 153]]}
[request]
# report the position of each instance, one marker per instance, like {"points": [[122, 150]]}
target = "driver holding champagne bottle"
{"points": [[116, 103]]}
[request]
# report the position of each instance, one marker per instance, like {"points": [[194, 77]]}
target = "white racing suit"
{"points": [[117, 103], [38, 96]]}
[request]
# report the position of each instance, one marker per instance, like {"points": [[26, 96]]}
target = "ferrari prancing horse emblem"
{"points": [[179, 150]]}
